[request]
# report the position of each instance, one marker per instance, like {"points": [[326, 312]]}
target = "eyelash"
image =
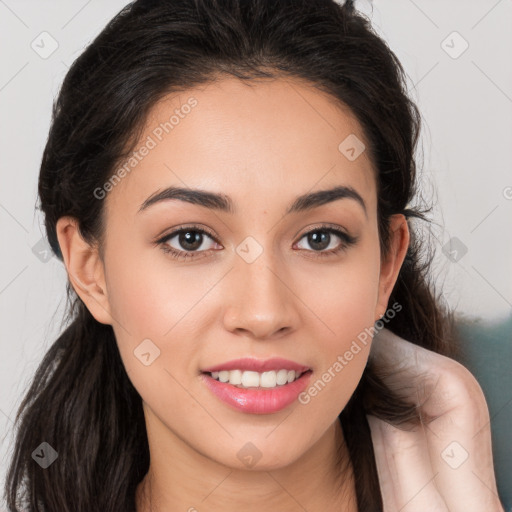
{"points": [[347, 241]]}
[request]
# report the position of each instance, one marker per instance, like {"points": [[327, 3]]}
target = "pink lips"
{"points": [[258, 400], [256, 365]]}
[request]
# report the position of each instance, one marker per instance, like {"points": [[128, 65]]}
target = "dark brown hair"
{"points": [[81, 401]]}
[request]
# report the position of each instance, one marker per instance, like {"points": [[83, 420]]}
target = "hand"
{"points": [[444, 464]]}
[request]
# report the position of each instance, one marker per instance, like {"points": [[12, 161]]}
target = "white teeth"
{"points": [[235, 377], [268, 380], [282, 377], [250, 379], [224, 376]]}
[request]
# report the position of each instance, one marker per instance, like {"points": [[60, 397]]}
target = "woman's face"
{"points": [[254, 284]]}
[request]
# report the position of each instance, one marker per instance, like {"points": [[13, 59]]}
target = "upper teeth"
{"points": [[249, 379]]}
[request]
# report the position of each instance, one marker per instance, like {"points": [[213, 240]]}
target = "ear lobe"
{"points": [[392, 262], [85, 269]]}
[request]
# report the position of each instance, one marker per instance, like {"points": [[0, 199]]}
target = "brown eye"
{"points": [[190, 240], [332, 239], [319, 240], [184, 243]]}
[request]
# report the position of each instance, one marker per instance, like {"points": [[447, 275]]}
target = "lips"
{"points": [[257, 365]]}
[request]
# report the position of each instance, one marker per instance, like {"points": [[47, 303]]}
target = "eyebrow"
{"points": [[223, 203]]}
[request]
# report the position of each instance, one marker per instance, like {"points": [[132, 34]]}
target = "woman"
{"points": [[229, 186]]}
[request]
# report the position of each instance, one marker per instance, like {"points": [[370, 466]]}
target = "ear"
{"points": [[85, 269], [392, 262]]}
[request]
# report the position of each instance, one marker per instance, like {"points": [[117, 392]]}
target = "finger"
{"points": [[405, 473], [460, 442]]}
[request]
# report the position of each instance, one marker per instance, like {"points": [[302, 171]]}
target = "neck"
{"points": [[183, 479]]}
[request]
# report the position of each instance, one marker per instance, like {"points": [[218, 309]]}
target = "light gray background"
{"points": [[466, 104]]}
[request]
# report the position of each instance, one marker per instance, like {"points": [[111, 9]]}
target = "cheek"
{"points": [[148, 295], [344, 297], [346, 306], [152, 300], [152, 304], [343, 354]]}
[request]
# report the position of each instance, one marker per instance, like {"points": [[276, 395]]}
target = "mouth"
{"points": [[257, 387]]}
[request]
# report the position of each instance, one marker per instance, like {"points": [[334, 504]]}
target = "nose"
{"points": [[260, 300]]}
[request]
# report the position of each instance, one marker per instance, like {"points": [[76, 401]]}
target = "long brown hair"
{"points": [[81, 401]]}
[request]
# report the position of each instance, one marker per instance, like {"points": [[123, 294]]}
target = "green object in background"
{"points": [[487, 352]]}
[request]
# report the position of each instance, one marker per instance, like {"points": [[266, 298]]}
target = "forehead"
{"points": [[264, 141]]}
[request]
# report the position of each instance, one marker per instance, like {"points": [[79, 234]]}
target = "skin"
{"points": [[263, 145], [444, 464]]}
